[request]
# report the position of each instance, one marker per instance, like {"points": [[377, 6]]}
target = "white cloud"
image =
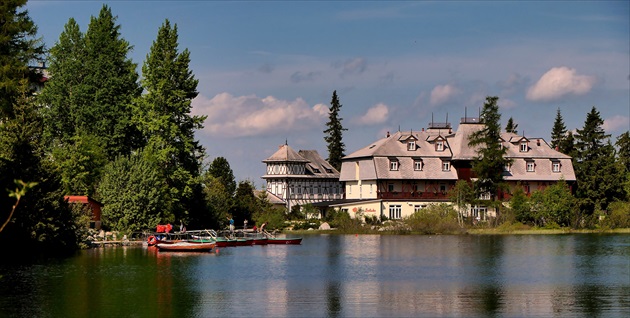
{"points": [[375, 115], [238, 116], [506, 103], [560, 81], [442, 93], [615, 123]]}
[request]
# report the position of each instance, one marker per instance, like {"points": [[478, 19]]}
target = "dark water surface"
{"points": [[578, 275]]}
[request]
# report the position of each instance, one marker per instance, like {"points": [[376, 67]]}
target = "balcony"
{"points": [[413, 195]]}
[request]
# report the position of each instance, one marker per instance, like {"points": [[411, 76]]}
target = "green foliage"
{"points": [[345, 224], [618, 215], [296, 213], [623, 150], [275, 218], [599, 176], [18, 47], [554, 204], [135, 194], [219, 202], [245, 202], [558, 132], [435, 219], [490, 160], [81, 162], [43, 221], [511, 126], [162, 115], [220, 169], [334, 134], [520, 206]]}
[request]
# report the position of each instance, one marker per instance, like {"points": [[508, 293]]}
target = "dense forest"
{"points": [[98, 128]]}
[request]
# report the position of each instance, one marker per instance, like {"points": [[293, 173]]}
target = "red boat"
{"points": [[187, 246]]}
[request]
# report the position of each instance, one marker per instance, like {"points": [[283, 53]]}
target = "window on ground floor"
{"points": [[395, 212]]}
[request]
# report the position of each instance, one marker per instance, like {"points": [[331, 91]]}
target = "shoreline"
{"points": [[474, 232]]}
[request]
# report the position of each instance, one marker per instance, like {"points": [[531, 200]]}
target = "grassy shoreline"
{"points": [[493, 231]]}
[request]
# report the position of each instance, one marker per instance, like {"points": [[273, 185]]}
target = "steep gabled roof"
{"points": [[285, 154]]}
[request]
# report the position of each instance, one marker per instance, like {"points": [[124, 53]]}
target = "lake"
{"points": [[574, 275]]}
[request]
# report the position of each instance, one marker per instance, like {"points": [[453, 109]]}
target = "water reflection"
{"points": [[336, 276]]}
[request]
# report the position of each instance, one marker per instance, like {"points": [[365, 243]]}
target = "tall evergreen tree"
{"points": [[334, 133], [18, 47], [163, 116], [623, 150], [490, 161], [567, 145], [599, 176], [511, 126], [558, 132]]}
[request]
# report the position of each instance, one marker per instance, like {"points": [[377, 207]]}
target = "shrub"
{"points": [[435, 219]]}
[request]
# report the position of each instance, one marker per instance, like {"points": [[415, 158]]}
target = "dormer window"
{"points": [[411, 145], [315, 170], [393, 164], [417, 164], [555, 166], [524, 147], [446, 166], [439, 145], [507, 167], [531, 166]]}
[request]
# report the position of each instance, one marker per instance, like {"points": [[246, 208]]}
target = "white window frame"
{"points": [[393, 165], [446, 165], [411, 145], [523, 146], [556, 166], [439, 145], [417, 165], [395, 212], [530, 166]]}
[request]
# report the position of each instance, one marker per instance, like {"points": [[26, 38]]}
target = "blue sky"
{"points": [[267, 69]]}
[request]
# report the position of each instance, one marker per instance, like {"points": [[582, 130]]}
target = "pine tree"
{"points": [[490, 161], [511, 126], [599, 176], [334, 134], [18, 47], [163, 117], [623, 150], [567, 146], [559, 131]]}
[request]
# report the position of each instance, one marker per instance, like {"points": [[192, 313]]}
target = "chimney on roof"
{"points": [[537, 142], [388, 134], [422, 128]]}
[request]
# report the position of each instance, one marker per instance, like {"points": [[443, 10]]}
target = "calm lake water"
{"points": [[578, 275]]}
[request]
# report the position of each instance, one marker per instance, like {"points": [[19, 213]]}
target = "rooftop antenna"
{"points": [[465, 114], [447, 118], [398, 128]]}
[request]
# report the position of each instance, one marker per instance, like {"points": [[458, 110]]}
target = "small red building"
{"points": [[91, 206]]}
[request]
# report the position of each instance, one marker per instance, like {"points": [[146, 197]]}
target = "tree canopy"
{"points": [[334, 133]]}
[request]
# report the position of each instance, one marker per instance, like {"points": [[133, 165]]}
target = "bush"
{"points": [[618, 215], [435, 219]]}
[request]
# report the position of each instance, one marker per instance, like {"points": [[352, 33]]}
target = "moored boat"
{"points": [[191, 246]]}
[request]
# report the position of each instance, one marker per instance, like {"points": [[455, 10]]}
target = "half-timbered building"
{"points": [[299, 178]]}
